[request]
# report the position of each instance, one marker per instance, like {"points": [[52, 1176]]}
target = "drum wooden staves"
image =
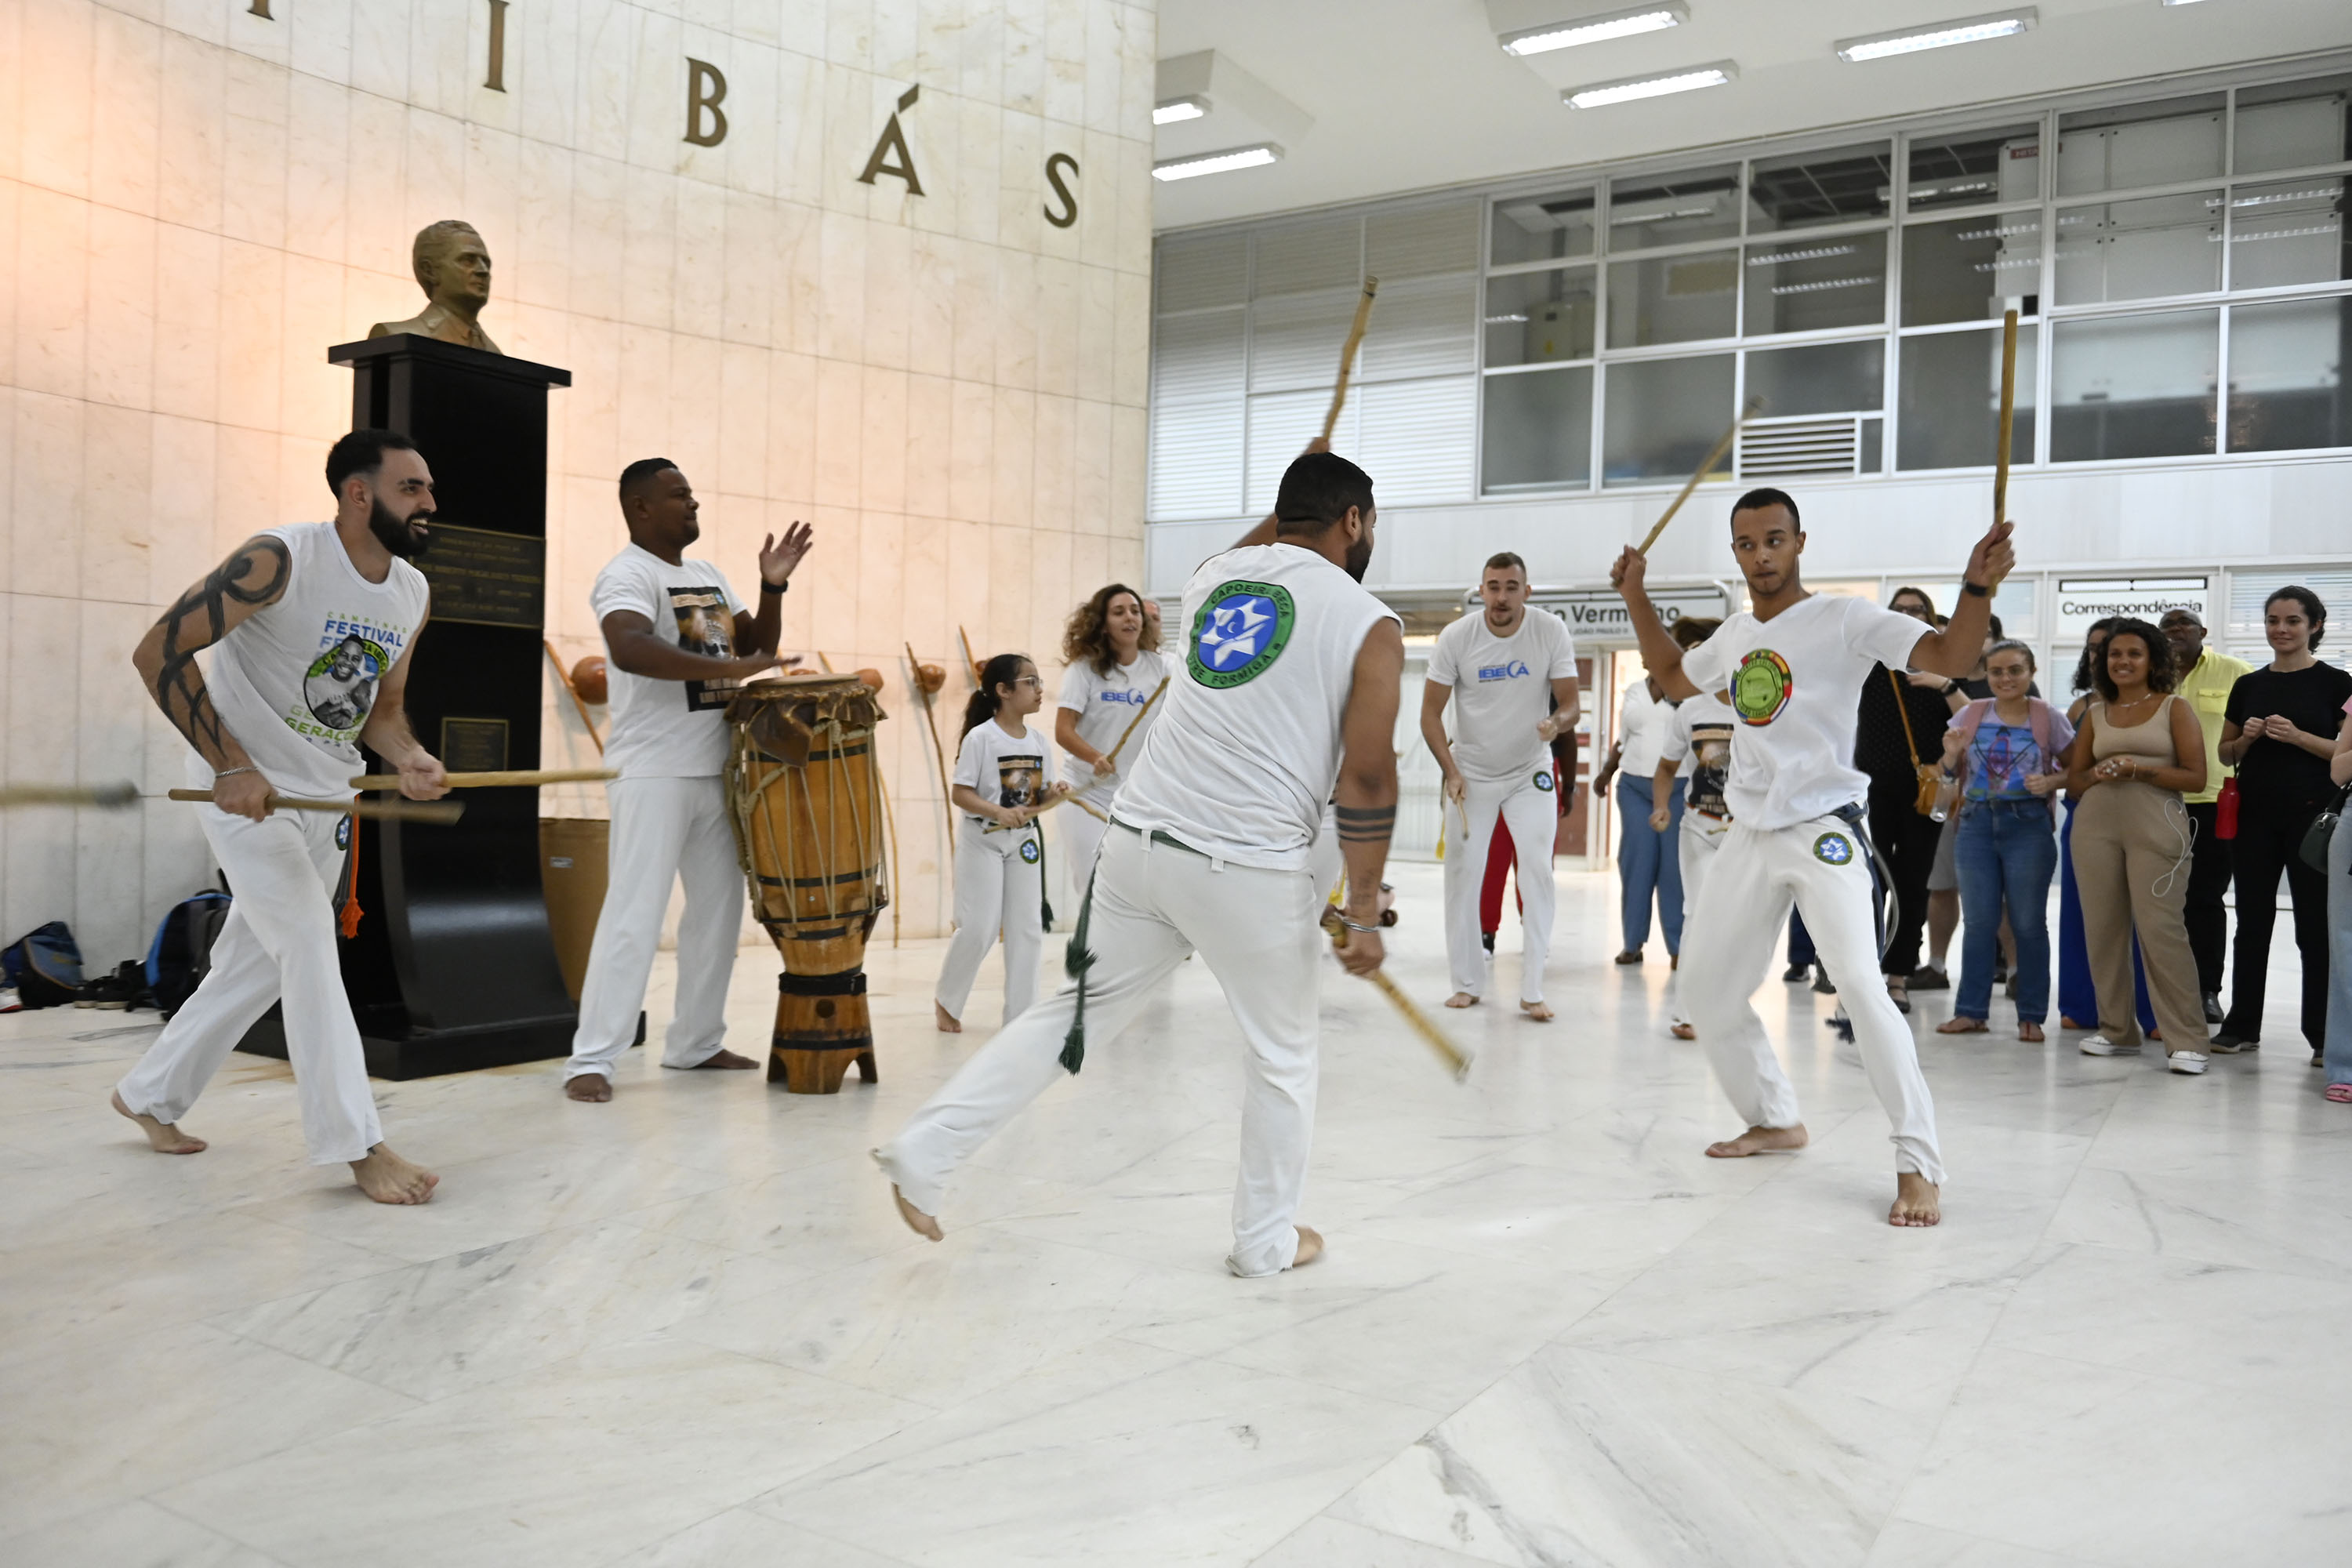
{"points": [[802, 792]]}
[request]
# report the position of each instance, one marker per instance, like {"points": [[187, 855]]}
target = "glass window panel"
{"points": [[1543, 228], [2135, 386], [2293, 124], [1420, 438], [2286, 375], [1819, 378], [1814, 286], [1538, 430], [1845, 184], [1672, 299], [1295, 340], [1423, 328], [2139, 250], [1672, 209], [2140, 145], [1660, 417], [1950, 400], [1975, 168], [2292, 232], [1971, 268], [1536, 316]]}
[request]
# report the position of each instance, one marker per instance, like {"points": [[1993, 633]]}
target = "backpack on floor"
{"points": [[43, 965], [182, 949]]}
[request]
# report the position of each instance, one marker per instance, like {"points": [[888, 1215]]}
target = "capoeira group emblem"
{"points": [[1761, 688], [1242, 629]]}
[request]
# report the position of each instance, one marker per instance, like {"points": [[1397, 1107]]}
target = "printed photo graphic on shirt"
{"points": [[1242, 629], [339, 686], [704, 625], [1710, 766], [1761, 688], [1030, 852], [1833, 849], [1020, 778]]}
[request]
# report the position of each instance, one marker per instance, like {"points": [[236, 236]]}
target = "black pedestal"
{"points": [[453, 968]]}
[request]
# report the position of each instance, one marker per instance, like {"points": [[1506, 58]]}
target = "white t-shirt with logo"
{"points": [[1001, 768], [1501, 690], [668, 729], [1244, 749], [296, 681], [1107, 704], [1795, 682], [1699, 738]]}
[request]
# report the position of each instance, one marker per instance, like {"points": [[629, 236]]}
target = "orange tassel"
{"points": [[347, 920]]}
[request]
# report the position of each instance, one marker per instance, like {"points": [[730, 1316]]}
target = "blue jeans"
{"points": [[2005, 852], [1649, 861]]}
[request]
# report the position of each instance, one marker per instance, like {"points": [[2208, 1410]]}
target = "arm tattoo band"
{"points": [[201, 619], [1365, 825]]}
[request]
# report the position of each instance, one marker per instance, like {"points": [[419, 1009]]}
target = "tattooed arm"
{"points": [[253, 577], [1366, 801], [387, 734]]}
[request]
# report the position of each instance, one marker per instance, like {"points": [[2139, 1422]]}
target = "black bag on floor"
{"points": [[43, 965], [182, 952]]}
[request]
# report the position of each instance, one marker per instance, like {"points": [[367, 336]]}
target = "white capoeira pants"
{"points": [[1078, 833], [998, 885], [1532, 812], [1154, 903], [664, 829], [278, 943], [1733, 933], [1701, 836]]}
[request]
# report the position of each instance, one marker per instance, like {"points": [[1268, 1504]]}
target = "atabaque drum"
{"points": [[806, 804]]}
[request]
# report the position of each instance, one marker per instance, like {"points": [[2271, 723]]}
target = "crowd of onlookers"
{"points": [[2175, 782]]}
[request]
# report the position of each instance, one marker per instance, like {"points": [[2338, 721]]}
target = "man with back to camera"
{"points": [[1288, 692], [310, 627], [2207, 674], [671, 626], [1794, 664], [1511, 678]]}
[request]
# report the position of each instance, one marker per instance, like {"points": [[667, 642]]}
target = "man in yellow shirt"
{"points": [[2206, 678]]}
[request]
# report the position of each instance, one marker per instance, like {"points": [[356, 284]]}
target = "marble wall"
{"points": [[196, 202]]}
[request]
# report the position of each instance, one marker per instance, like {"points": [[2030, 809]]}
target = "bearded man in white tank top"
{"points": [[310, 627], [1287, 688], [1794, 664]]}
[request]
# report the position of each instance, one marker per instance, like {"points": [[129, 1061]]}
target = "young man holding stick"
{"points": [[1794, 664]]}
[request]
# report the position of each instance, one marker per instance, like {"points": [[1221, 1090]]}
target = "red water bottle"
{"points": [[2225, 809]]}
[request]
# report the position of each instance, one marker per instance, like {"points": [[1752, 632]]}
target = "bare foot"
{"points": [[588, 1087], [1311, 1248], [1956, 1024], [1462, 999], [919, 1222], [1684, 1032], [1540, 1012], [1916, 1200], [727, 1061], [2030, 1032], [948, 1023], [163, 1137], [389, 1179], [1760, 1141]]}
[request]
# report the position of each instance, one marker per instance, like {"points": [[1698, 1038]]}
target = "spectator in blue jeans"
{"points": [[2005, 749], [1648, 860]]}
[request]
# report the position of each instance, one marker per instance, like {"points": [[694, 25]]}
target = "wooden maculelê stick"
{"points": [[976, 666], [441, 812], [572, 691], [2007, 412], [1124, 735], [1705, 466], [108, 795], [1456, 1060], [510, 778], [946, 795], [1348, 356]]}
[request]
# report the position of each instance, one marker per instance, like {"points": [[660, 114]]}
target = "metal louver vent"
{"points": [[1831, 445]]}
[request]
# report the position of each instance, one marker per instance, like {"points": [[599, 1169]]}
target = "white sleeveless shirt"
{"points": [[1244, 749], [296, 681]]}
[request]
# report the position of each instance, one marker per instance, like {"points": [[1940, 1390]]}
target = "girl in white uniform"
{"points": [[1115, 672], [1003, 775]]}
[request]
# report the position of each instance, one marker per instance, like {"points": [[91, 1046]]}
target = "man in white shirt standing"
{"points": [[1511, 678], [1794, 665], [672, 625], [1288, 690]]}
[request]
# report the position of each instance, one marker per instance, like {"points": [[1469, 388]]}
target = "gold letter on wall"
{"points": [[497, 80], [1054, 167], [706, 88], [895, 141]]}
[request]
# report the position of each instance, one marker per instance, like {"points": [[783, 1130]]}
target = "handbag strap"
{"points": [[1903, 711]]}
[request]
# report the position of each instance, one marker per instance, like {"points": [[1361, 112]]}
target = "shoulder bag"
{"points": [[1931, 775]]}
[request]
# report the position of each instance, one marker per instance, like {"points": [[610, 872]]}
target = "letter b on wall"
{"points": [[706, 89]]}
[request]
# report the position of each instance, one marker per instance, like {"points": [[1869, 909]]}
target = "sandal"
{"points": [[1899, 993], [1960, 1025], [2341, 1093]]}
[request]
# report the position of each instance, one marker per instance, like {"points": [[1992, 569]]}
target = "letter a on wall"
{"points": [[894, 141]]}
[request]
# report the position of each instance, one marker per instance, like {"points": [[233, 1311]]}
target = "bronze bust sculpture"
{"points": [[452, 267]]}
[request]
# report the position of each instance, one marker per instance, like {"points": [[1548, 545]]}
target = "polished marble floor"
{"points": [[684, 1330]]}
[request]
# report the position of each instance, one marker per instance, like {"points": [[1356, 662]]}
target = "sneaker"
{"points": [[1930, 977], [2226, 1044], [2100, 1045], [12, 1002], [2186, 1061], [1797, 974], [2214, 1006], [1821, 985]]}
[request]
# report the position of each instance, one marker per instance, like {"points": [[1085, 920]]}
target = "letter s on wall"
{"points": [[1053, 166]]}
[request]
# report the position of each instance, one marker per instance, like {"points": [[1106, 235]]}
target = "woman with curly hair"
{"points": [[1112, 649]]}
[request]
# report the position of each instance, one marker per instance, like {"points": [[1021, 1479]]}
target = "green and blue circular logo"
{"points": [[1761, 687], [342, 832], [1833, 849], [1029, 850], [1543, 780], [1241, 630]]}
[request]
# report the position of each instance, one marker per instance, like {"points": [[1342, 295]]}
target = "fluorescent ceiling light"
{"points": [[1608, 25], [1190, 107], [1255, 157], [1939, 35], [2180, 1], [1600, 93]]}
